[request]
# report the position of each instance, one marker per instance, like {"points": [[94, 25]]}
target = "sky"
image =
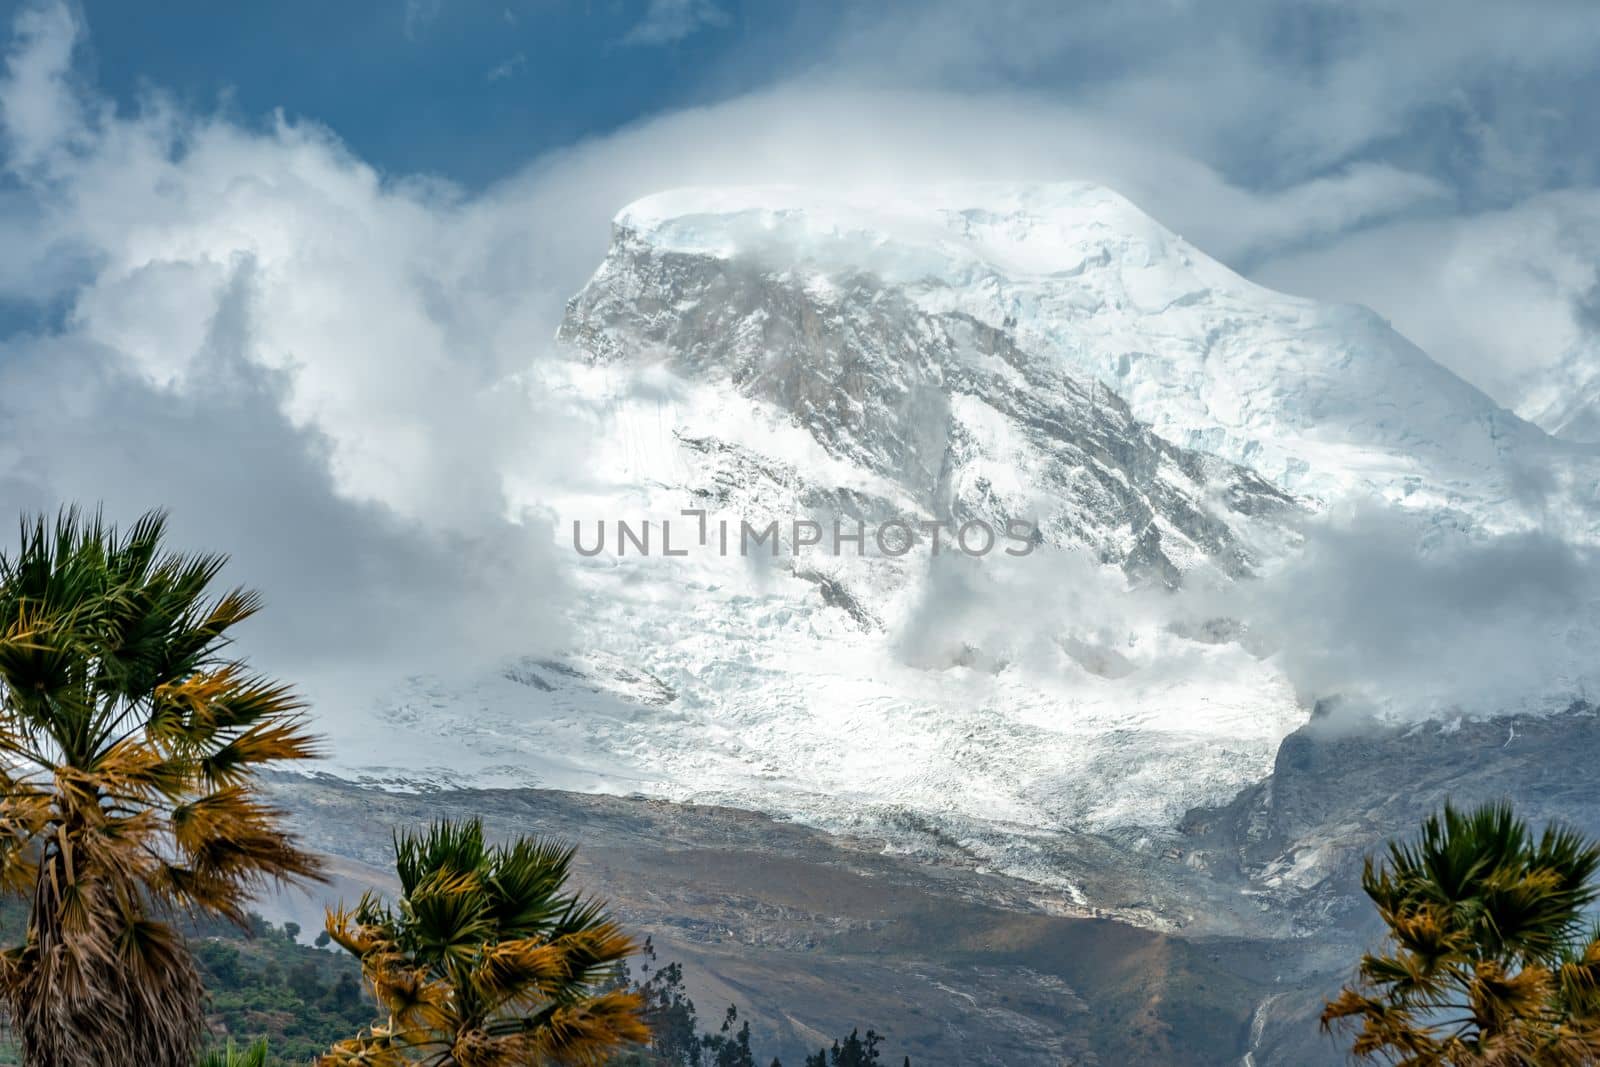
{"points": [[290, 269], [1417, 157]]}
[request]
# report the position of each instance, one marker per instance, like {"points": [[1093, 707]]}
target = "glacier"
{"points": [[951, 354], [1321, 399]]}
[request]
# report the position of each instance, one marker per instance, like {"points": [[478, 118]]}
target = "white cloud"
{"points": [[1251, 85], [419, 15], [819, 134], [394, 311], [1390, 613], [40, 114], [311, 365], [1495, 296], [1438, 125], [502, 71], [670, 21]]}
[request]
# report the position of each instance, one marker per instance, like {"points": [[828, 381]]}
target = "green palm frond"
{"points": [[232, 1056], [446, 846], [526, 886]]}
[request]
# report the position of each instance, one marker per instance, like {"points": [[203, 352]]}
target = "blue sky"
{"points": [[1317, 145], [469, 90], [475, 89], [330, 242]]}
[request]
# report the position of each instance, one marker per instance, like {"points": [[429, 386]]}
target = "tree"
{"points": [[853, 1051], [129, 743], [730, 1047], [857, 1051], [346, 992], [486, 959], [1488, 960], [674, 1035], [291, 930], [305, 982], [676, 1039]]}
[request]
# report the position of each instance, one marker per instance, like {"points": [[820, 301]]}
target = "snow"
{"points": [[783, 705], [1321, 399], [992, 699]]}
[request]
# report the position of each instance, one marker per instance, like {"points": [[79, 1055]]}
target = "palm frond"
{"points": [[445, 847]]}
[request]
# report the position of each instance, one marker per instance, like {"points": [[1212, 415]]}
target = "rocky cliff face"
{"points": [[1341, 787], [941, 404]]}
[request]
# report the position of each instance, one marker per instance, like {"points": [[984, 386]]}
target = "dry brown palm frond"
{"points": [[590, 1031]]}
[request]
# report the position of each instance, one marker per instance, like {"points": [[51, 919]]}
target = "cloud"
{"points": [[1268, 92], [1388, 612], [39, 112], [396, 310], [353, 588], [1258, 131], [1498, 296], [419, 15], [1432, 122], [502, 71], [670, 21], [316, 369]]}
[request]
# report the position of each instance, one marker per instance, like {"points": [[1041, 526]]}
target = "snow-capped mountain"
{"points": [[980, 355], [1319, 399], [945, 407]]}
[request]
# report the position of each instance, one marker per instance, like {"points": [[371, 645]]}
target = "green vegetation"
{"points": [[676, 1039], [1490, 960], [230, 1055], [263, 985]]}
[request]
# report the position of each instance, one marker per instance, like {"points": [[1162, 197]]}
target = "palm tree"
{"points": [[486, 959], [1489, 960], [128, 745]]}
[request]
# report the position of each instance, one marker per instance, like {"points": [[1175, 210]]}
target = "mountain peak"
{"points": [[1021, 229], [1084, 280]]}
